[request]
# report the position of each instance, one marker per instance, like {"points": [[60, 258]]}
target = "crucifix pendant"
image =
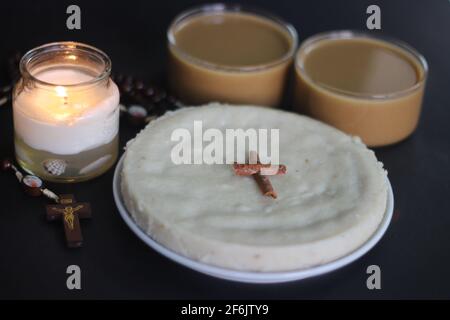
{"points": [[70, 212]]}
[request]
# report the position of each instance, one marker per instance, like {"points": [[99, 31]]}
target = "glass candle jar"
{"points": [[230, 54], [66, 112]]}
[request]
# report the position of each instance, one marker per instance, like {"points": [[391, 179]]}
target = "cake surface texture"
{"points": [[330, 201]]}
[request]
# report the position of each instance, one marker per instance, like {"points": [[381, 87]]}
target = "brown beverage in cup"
{"points": [[362, 84], [229, 54]]}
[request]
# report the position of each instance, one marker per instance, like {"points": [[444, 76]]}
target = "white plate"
{"points": [[246, 276]]}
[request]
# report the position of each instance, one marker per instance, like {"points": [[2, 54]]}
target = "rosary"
{"points": [[65, 208]]}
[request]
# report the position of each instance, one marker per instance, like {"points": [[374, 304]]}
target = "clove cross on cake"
{"points": [[260, 172]]}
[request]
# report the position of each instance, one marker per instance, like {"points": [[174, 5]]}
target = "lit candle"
{"points": [[66, 112]]}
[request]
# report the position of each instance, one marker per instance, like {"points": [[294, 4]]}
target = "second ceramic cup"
{"points": [[229, 54], [363, 84]]}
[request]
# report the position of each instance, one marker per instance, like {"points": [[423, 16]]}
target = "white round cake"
{"points": [[330, 201]]}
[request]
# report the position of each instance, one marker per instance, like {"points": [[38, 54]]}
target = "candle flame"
{"points": [[61, 91]]}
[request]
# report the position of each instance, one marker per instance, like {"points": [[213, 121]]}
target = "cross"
{"points": [[70, 212], [260, 172]]}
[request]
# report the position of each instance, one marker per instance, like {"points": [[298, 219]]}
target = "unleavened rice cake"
{"points": [[330, 201]]}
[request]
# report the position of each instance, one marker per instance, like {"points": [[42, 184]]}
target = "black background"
{"points": [[414, 254]]}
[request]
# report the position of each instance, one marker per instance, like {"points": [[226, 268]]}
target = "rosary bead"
{"points": [[139, 85], [6, 164]]}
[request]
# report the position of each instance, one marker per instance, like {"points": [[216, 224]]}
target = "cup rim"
{"points": [[218, 8], [66, 47], [352, 34]]}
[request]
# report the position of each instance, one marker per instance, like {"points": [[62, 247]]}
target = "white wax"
{"points": [[63, 76], [66, 120]]}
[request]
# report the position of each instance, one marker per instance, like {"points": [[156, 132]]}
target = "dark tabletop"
{"points": [[414, 254]]}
